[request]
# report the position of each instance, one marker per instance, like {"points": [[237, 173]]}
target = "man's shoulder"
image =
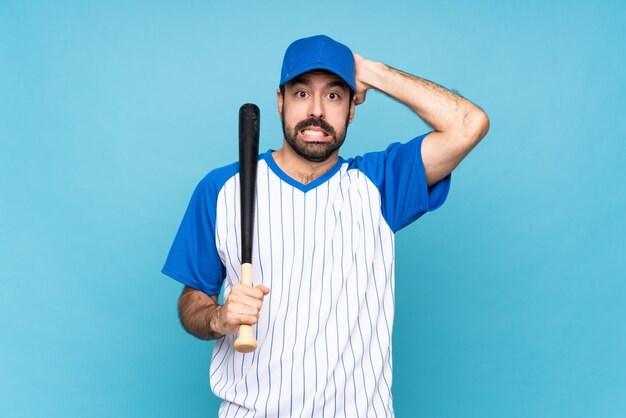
{"points": [[215, 179], [384, 164], [223, 172], [404, 149]]}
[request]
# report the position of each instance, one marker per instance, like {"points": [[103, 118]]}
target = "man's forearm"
{"points": [[199, 314], [443, 110]]}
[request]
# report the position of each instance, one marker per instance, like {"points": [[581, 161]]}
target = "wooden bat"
{"points": [[249, 118]]}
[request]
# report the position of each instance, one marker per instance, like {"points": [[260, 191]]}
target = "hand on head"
{"points": [[360, 65]]}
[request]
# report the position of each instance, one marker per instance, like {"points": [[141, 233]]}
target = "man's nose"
{"points": [[316, 108]]}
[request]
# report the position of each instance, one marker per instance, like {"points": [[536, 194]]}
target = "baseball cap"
{"points": [[318, 53]]}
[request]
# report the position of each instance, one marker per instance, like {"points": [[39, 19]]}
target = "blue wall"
{"points": [[510, 298]]}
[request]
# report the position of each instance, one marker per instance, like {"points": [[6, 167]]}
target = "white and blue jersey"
{"points": [[326, 251]]}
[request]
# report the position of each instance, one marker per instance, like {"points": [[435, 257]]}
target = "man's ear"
{"points": [[352, 107], [280, 99]]}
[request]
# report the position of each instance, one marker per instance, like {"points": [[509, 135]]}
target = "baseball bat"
{"points": [[249, 118]]}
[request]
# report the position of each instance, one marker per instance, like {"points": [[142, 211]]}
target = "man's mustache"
{"points": [[317, 122]]}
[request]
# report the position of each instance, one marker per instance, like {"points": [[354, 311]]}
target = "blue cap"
{"points": [[318, 53]]}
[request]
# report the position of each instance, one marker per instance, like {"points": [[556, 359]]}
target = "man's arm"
{"points": [[203, 317], [458, 124]]}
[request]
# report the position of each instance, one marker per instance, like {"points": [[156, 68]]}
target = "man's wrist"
{"points": [[373, 74], [215, 320]]}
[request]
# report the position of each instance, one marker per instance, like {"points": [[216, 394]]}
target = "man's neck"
{"points": [[301, 169]]}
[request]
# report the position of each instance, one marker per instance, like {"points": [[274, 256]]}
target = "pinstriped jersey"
{"points": [[326, 251]]}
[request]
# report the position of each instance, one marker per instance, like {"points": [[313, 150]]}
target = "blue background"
{"points": [[510, 298]]}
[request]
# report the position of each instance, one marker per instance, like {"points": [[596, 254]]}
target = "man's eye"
{"points": [[301, 94], [333, 96]]}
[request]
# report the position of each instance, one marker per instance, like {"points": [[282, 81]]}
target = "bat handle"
{"points": [[245, 342]]}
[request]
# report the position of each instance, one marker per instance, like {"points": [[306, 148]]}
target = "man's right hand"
{"points": [[242, 307]]}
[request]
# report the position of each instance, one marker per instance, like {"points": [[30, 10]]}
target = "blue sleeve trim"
{"points": [[398, 173], [211, 291]]}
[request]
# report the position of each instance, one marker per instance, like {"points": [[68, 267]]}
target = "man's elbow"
{"points": [[477, 126], [471, 128]]}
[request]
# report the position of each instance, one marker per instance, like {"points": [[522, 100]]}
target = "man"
{"points": [[324, 241]]}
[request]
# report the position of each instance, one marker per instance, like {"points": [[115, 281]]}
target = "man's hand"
{"points": [[202, 317], [361, 70], [242, 307]]}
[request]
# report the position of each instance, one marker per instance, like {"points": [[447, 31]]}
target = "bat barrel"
{"points": [[249, 118]]}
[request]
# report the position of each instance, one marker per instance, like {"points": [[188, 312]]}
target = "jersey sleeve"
{"points": [[398, 173], [193, 258]]}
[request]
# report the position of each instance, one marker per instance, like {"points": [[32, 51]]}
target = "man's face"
{"points": [[315, 109]]}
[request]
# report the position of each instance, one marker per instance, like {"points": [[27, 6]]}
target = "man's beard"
{"points": [[314, 151]]}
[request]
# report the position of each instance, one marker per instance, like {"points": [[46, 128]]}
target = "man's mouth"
{"points": [[309, 134], [315, 130]]}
